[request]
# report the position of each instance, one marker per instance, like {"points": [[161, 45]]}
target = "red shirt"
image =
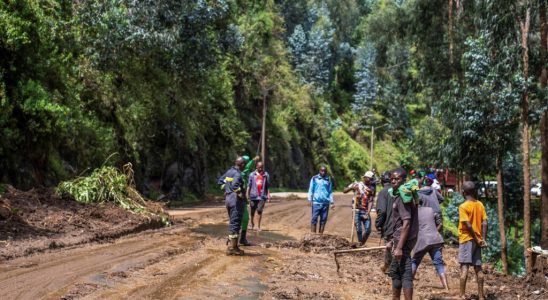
{"points": [[259, 181], [364, 198]]}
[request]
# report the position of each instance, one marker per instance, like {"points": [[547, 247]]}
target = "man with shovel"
{"points": [[362, 204]]}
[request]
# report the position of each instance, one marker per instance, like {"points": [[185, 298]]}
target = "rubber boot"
{"points": [[443, 280], [233, 247], [243, 239], [313, 228], [322, 227]]}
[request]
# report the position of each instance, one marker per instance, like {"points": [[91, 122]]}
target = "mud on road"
{"points": [[187, 261]]}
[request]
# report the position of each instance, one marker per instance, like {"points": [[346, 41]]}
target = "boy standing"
{"points": [[472, 232]]}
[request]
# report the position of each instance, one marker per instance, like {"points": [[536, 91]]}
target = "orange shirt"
{"points": [[474, 212]]}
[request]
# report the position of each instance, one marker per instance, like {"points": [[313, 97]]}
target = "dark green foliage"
{"points": [[173, 87]]}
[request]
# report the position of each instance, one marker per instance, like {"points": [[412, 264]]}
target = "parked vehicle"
{"points": [[488, 189]]}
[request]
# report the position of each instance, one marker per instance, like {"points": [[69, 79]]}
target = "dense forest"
{"points": [[178, 89]]}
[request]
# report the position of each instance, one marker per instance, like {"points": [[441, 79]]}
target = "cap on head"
{"points": [[368, 174]]}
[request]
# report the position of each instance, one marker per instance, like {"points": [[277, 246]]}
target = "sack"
{"points": [[408, 191]]}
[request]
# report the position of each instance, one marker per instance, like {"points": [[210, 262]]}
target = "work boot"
{"points": [[322, 227], [313, 228], [443, 280], [243, 239], [233, 247]]}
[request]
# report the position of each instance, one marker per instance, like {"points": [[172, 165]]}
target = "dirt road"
{"points": [[187, 261]]}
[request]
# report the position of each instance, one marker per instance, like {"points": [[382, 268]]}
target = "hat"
{"points": [[246, 158], [369, 174]]}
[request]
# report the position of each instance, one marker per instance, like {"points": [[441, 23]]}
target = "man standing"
{"points": [[363, 203], [406, 227], [235, 202], [258, 193], [383, 222], [320, 196], [472, 232], [249, 165]]}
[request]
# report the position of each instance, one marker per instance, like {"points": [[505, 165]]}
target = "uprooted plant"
{"points": [[108, 184]]}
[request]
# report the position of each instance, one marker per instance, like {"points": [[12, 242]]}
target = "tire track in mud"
{"points": [[176, 262], [49, 276]]}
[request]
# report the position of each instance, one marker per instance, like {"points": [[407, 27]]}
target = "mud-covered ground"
{"points": [[187, 261], [38, 221]]}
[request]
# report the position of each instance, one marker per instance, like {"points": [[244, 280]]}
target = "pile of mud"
{"points": [[38, 220], [316, 243]]}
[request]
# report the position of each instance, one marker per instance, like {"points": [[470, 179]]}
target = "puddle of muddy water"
{"points": [[253, 286], [221, 231], [101, 280]]}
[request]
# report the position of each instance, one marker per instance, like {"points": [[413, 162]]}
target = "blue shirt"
{"points": [[320, 190]]}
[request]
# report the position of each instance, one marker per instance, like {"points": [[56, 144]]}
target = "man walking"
{"points": [[235, 202], [320, 196], [429, 240], [383, 222], [258, 193], [406, 227], [363, 203], [472, 232]]}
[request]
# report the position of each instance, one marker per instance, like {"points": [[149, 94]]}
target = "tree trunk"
{"points": [[544, 129], [544, 188], [500, 202], [263, 131], [524, 26], [450, 32]]}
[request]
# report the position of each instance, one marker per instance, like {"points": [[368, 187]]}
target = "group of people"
{"points": [[242, 188], [408, 218]]}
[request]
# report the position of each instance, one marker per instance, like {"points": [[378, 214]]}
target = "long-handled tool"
{"points": [[353, 219], [336, 252]]}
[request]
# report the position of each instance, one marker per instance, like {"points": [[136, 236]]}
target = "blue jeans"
{"points": [[358, 222], [319, 210], [435, 252]]}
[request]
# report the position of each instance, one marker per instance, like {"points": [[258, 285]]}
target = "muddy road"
{"points": [[187, 261]]}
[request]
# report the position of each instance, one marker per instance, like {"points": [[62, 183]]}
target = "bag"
{"points": [[408, 191]]}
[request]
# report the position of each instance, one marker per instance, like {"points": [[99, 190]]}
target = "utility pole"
{"points": [[263, 129], [372, 141], [372, 138]]}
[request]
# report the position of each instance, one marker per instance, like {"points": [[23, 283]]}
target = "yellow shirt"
{"points": [[474, 212]]}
